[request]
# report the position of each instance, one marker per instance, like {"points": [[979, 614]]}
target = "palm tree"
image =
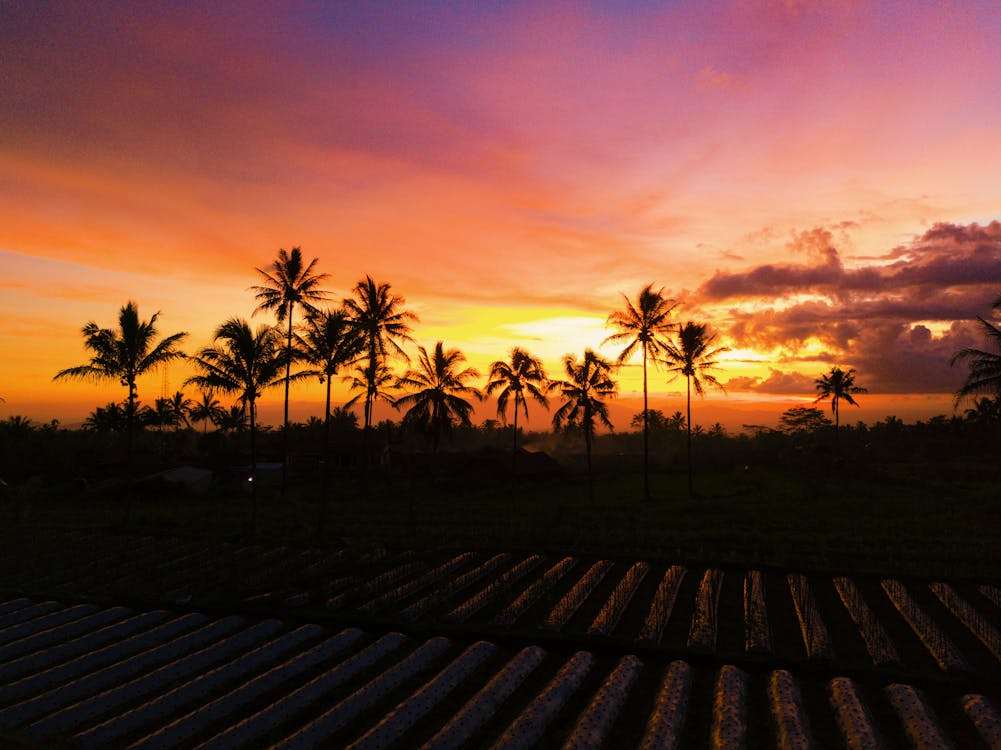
{"points": [[438, 385], [375, 384], [836, 385], [588, 382], [985, 367], [693, 356], [207, 409], [643, 326], [110, 418], [383, 325], [290, 283], [244, 363], [124, 354], [179, 406], [521, 376], [328, 342]]}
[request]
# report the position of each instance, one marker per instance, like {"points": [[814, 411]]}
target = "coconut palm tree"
{"points": [[693, 356], [110, 418], [374, 384], [327, 342], [836, 385], [520, 377], [438, 386], [206, 409], [289, 284], [124, 354], [378, 316], [179, 405], [244, 363], [589, 380], [985, 366], [644, 326]]}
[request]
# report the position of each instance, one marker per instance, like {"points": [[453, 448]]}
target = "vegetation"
{"points": [[985, 366], [522, 375], [643, 326], [693, 356], [125, 354], [838, 385], [588, 382]]}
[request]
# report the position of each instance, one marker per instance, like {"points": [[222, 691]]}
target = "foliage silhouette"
{"points": [[589, 380], [379, 317], [644, 326], [522, 375], [327, 342], [124, 354], [244, 363], [289, 283], [836, 385], [693, 356], [984, 375], [206, 409], [438, 385]]}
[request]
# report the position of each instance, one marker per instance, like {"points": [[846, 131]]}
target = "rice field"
{"points": [[125, 641]]}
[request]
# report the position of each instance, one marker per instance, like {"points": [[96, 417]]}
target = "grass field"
{"points": [[897, 523]]}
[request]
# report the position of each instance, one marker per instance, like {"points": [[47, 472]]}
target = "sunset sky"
{"points": [[819, 181]]}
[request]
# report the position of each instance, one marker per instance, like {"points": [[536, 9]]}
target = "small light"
{"points": [[250, 479]]}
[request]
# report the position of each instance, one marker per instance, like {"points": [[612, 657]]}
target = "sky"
{"points": [[817, 181]]}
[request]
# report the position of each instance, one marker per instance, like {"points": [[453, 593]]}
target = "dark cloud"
{"points": [[947, 255], [777, 382], [884, 318]]}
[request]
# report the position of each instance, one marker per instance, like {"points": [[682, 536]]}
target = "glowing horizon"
{"points": [[811, 179]]}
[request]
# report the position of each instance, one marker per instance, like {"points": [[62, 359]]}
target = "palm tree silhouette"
{"points": [[375, 384], [438, 386], [985, 367], [588, 382], [124, 354], [378, 317], [643, 326], [206, 409], [836, 385], [327, 342], [179, 406], [244, 363], [693, 356], [290, 283], [522, 375]]}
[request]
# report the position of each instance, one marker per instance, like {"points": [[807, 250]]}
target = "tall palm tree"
{"points": [[985, 367], [289, 283], [644, 326], [327, 342], [588, 382], [378, 316], [438, 385], [206, 409], [374, 383], [124, 354], [520, 377], [244, 363], [693, 356], [836, 385]]}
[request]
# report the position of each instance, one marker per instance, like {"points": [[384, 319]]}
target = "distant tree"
{"points": [[243, 363], [801, 419], [124, 354], [985, 410], [439, 387], [383, 325], [17, 425], [373, 386], [233, 420], [110, 418], [693, 356], [206, 409], [342, 418], [984, 376], [327, 342], [519, 378], [589, 381], [643, 326], [289, 283], [658, 423], [717, 430], [836, 385]]}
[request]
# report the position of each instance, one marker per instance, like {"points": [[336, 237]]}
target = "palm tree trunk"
{"points": [[253, 467], [691, 491], [325, 486], [514, 448], [130, 421], [288, 376], [646, 433], [587, 444]]}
